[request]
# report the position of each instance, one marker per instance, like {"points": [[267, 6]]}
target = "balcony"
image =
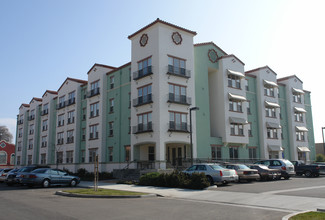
{"points": [[70, 102], [142, 100], [177, 71], [142, 73], [93, 92], [178, 127], [179, 99], [142, 128], [60, 105]]}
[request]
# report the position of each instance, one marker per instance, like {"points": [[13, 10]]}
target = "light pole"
{"points": [[323, 138], [191, 142]]}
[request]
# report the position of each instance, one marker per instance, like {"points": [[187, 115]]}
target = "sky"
{"points": [[42, 42]]}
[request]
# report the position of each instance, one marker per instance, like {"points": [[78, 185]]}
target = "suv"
{"points": [[16, 177], [286, 167]]}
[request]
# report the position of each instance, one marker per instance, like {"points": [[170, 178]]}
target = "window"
{"points": [[178, 121], [216, 152], [272, 133], [233, 152], [92, 155], [84, 112], [236, 129], [30, 144], [61, 102], [151, 153], [270, 112], [94, 110], [60, 120], [69, 157], [71, 117], [43, 158], [249, 108], [111, 129], [44, 125], [235, 106], [60, 137], [93, 134], [59, 157], [129, 74], [44, 141], [144, 67], [45, 110], [94, 88], [31, 129], [111, 82], [83, 155], [297, 98], [110, 154], [70, 137], [129, 126], [83, 134], [246, 85], [300, 135], [144, 122], [18, 160], [127, 153], [111, 105], [176, 65], [20, 132], [144, 95], [298, 116], [29, 159], [19, 146], [250, 133], [177, 93], [12, 159], [32, 115], [269, 91], [72, 98], [252, 153], [129, 100], [3, 157], [234, 81], [282, 137]]}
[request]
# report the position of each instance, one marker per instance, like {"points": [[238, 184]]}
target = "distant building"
{"points": [[320, 148], [7, 155], [137, 115]]}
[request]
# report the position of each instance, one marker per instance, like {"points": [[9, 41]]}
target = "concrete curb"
{"points": [[61, 193], [295, 213]]}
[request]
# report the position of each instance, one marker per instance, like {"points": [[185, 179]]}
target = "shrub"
{"points": [[320, 158], [149, 179]]}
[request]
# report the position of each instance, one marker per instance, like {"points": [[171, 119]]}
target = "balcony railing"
{"points": [[21, 121], [70, 140], [44, 112], [142, 100], [60, 105], [141, 128], [93, 135], [142, 73], [70, 120], [70, 101], [60, 141], [32, 117], [177, 71], [93, 92], [180, 99], [179, 127]]}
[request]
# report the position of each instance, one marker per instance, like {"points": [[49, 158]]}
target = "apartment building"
{"points": [[138, 115]]}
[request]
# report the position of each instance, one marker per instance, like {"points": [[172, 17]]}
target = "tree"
{"points": [[5, 134]]}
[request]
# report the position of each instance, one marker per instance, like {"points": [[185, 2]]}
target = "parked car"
{"points": [[16, 177], [321, 167], [286, 167], [265, 172], [244, 172], [3, 174], [214, 172], [308, 170], [47, 176]]}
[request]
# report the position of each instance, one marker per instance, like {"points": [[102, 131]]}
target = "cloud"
{"points": [[10, 123]]}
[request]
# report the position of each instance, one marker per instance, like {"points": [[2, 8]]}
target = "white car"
{"points": [[285, 166], [214, 172], [3, 174]]}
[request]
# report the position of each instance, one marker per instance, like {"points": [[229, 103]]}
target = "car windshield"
{"points": [[216, 167], [26, 169], [39, 171], [242, 166]]}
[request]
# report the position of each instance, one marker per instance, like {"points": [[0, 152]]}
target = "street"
{"points": [[39, 203]]}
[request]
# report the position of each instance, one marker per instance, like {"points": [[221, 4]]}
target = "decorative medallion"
{"points": [[213, 56], [177, 38], [3, 145], [144, 40]]}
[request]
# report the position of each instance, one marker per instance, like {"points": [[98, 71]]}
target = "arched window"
{"points": [[12, 159], [3, 157]]}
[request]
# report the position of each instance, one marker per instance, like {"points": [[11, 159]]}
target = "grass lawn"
{"points": [[309, 215], [104, 192]]}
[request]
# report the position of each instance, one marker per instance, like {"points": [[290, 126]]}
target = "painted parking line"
{"points": [[292, 190]]}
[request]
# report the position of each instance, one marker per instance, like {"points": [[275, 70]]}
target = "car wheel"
{"points": [[308, 173], [73, 183], [210, 180], [316, 175], [287, 177], [46, 183]]}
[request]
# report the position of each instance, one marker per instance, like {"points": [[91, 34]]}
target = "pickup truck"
{"points": [[309, 170]]}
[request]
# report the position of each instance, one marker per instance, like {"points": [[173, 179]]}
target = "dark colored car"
{"points": [[46, 177], [286, 167], [265, 172], [16, 177], [308, 170]]}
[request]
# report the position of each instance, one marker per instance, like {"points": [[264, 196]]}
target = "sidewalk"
{"points": [[258, 200]]}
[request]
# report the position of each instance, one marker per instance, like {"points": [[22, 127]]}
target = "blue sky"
{"points": [[42, 41]]}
